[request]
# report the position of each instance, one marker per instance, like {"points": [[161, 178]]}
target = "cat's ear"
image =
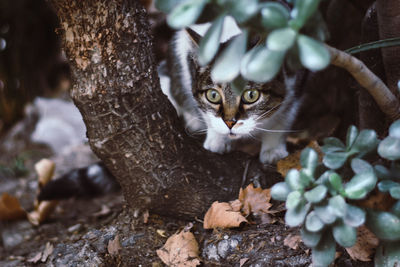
{"points": [[194, 36]]}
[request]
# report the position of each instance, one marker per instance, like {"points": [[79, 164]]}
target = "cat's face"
{"points": [[234, 115]]}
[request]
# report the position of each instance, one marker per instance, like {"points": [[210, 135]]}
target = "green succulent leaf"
{"points": [[244, 10], [316, 194], [387, 254], [313, 54], [396, 209], [313, 222], [295, 217], [394, 129], [167, 5], [293, 199], [239, 84], [355, 216], [335, 181], [209, 44], [261, 64], [360, 166], [352, 133], [309, 160], [395, 192], [274, 15], [324, 253], [384, 225], [281, 39], [365, 142], [334, 160], [338, 205], [325, 213], [227, 65], [389, 148], [302, 12], [295, 181], [386, 185], [280, 191], [185, 14], [344, 234], [310, 239], [332, 144], [360, 185], [382, 172]]}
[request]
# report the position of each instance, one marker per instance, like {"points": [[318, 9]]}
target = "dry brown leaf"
{"points": [[47, 252], [221, 214], [45, 171], [36, 258], [365, 245], [236, 205], [292, 241], [180, 250], [10, 209], [114, 246], [255, 200], [293, 160], [377, 201], [242, 261]]}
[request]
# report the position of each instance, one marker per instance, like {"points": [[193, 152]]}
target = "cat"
{"points": [[262, 113]]}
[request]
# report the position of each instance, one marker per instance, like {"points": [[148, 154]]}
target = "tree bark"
{"points": [[131, 125]]}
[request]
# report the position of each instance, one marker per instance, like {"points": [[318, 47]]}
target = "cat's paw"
{"points": [[217, 145], [272, 155]]}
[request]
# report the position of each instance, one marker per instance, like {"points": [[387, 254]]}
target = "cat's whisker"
{"points": [[276, 131]]}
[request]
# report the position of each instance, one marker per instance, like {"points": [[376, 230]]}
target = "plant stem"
{"points": [[374, 45], [386, 101]]}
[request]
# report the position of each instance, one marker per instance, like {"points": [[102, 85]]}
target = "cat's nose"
{"points": [[230, 123]]}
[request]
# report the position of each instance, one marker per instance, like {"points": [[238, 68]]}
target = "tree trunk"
{"points": [[131, 125]]}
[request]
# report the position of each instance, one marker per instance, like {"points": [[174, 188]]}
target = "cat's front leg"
{"points": [[273, 148], [217, 143]]}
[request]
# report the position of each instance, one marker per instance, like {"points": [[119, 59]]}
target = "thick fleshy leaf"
{"points": [[302, 11], [359, 166], [389, 148], [274, 15], [382, 172], [280, 191], [335, 181], [324, 253], [395, 192], [313, 222], [167, 5], [394, 129], [313, 54], [387, 254], [244, 10], [365, 142], [338, 205], [227, 65], [209, 44], [396, 209], [355, 216], [384, 225], [385, 185], [332, 142], [293, 199], [325, 213], [238, 85], [185, 14], [261, 64], [351, 136], [334, 160], [316, 194], [294, 180], [360, 185], [281, 39], [309, 160], [310, 239], [344, 235], [295, 217]]}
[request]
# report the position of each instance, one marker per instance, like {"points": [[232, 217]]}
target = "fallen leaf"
{"points": [[221, 214], [180, 250], [114, 246], [36, 258], [48, 250], [255, 200], [10, 209], [45, 171], [293, 160], [292, 241], [365, 245], [161, 232], [377, 201], [236, 205], [242, 261]]}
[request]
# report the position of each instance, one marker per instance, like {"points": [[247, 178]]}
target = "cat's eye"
{"points": [[213, 96], [250, 96]]}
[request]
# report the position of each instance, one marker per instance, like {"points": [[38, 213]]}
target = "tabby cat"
{"points": [[263, 112]]}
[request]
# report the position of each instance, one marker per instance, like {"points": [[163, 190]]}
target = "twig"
{"points": [[386, 101]]}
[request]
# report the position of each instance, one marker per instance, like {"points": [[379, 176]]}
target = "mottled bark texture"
{"points": [[130, 124]]}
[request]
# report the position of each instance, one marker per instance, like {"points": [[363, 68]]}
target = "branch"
{"points": [[386, 101]]}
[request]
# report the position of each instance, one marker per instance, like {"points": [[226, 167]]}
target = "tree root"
{"points": [[386, 101]]}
